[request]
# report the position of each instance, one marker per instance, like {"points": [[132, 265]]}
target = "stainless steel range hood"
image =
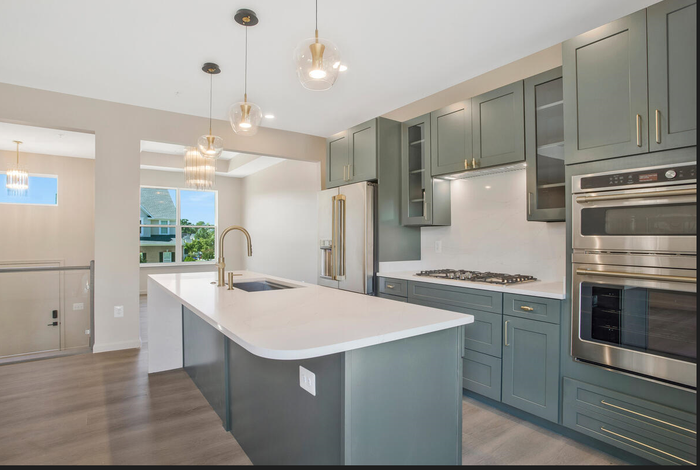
{"points": [[483, 171]]}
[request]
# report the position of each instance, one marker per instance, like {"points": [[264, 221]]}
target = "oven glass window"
{"points": [[659, 322], [655, 220]]}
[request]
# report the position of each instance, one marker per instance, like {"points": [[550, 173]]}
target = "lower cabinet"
{"points": [[531, 366], [482, 374]]}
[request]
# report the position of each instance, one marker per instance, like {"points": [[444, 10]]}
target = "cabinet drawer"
{"points": [[486, 301], [533, 308], [481, 373], [392, 297], [656, 432], [391, 286]]}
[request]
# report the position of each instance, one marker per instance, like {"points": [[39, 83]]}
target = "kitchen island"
{"points": [[382, 380]]}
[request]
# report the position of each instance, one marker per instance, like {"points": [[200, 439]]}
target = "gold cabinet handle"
{"points": [[345, 169], [529, 203], [658, 126], [390, 286], [603, 402], [505, 334], [645, 445], [349, 171], [466, 164], [526, 308], [639, 130]]}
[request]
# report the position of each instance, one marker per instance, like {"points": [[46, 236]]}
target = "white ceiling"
{"points": [[46, 141], [149, 52], [175, 149]]}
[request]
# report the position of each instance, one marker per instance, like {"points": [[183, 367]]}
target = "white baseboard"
{"points": [[100, 348]]}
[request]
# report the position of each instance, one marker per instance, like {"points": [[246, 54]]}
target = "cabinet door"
{"points": [[531, 366], [672, 36], [416, 187], [337, 160], [451, 138], [498, 120], [544, 146], [605, 91], [362, 152]]}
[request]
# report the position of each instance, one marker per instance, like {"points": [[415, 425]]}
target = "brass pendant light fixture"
{"points": [[245, 116], [317, 61], [17, 178], [210, 145]]}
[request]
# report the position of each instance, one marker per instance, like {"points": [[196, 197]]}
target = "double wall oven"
{"points": [[634, 271]]}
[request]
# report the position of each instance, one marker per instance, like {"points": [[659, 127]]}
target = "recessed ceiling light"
{"points": [[488, 187], [342, 68], [269, 116]]}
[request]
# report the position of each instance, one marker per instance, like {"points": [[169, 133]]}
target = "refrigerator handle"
{"points": [[334, 239], [340, 238]]}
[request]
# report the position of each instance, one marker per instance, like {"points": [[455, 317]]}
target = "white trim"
{"points": [[183, 263], [106, 347]]}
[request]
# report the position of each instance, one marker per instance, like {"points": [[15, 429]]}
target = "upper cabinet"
{"points": [[351, 156], [605, 91], [451, 138], [424, 200], [498, 126], [612, 110], [672, 42], [544, 150]]}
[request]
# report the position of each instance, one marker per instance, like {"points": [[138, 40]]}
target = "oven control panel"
{"points": [[652, 176]]}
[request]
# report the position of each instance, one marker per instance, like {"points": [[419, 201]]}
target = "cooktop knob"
{"points": [[670, 174]]}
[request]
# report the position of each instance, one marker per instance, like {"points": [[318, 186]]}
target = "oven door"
{"points": [[642, 320], [641, 220]]}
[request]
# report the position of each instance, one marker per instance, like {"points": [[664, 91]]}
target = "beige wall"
{"points": [[230, 213], [64, 233], [118, 130], [279, 211]]}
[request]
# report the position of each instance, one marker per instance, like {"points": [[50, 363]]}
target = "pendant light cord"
{"points": [[211, 84], [245, 86], [316, 15]]}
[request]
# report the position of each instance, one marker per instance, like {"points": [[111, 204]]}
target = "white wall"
{"points": [[230, 213], [490, 232], [279, 211]]}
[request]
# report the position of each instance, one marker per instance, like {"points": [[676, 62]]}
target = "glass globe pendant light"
{"points": [[17, 178], [317, 61], [200, 171], [210, 145], [245, 116]]}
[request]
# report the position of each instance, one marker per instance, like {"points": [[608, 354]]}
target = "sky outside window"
{"points": [[42, 190]]}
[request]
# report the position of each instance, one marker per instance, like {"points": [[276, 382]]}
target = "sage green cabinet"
{"points": [[351, 155], [531, 366], [605, 91], [498, 123], [544, 146], [451, 138], [672, 43], [424, 200]]}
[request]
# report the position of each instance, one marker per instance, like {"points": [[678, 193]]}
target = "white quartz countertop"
{"points": [[306, 321], [550, 290]]}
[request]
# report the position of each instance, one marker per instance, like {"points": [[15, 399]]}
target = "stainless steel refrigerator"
{"points": [[347, 237]]}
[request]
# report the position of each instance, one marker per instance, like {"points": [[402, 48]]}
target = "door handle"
{"points": [[658, 127], [646, 195], [334, 237], [649, 277], [639, 130], [53, 324], [505, 334], [339, 237]]}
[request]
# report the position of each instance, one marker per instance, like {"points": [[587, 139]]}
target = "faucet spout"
{"points": [[221, 262]]}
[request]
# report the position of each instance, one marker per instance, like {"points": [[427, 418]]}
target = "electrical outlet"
{"points": [[87, 332], [307, 380], [118, 311], [438, 246], [78, 306]]}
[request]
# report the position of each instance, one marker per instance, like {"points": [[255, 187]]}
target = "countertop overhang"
{"points": [[305, 321], [550, 290]]}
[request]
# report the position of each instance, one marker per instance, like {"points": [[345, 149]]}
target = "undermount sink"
{"points": [[258, 286]]}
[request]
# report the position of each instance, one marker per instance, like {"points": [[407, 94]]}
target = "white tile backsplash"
{"points": [[490, 232]]}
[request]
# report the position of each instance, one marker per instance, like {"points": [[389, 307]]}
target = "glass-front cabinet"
{"points": [[544, 136]]}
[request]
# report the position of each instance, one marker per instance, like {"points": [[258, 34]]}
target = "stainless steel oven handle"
{"points": [[648, 195], [650, 277]]}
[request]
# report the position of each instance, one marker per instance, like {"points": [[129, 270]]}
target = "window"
{"points": [[177, 225], [43, 191]]}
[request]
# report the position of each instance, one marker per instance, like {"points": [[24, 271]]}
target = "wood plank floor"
{"points": [[106, 409]]}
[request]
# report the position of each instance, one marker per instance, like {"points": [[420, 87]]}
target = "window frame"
{"points": [[178, 229]]}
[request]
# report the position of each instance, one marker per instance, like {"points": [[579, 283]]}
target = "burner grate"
{"points": [[477, 276]]}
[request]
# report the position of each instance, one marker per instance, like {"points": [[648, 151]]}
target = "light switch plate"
{"points": [[307, 380], [78, 306], [118, 311]]}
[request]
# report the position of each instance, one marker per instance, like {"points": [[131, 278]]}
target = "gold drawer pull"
{"points": [[647, 416], [646, 445], [390, 286], [526, 308]]}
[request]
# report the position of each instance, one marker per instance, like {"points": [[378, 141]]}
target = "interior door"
{"points": [[672, 32], [359, 240], [27, 303]]}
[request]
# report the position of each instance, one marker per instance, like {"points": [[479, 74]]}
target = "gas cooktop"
{"points": [[477, 276]]}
